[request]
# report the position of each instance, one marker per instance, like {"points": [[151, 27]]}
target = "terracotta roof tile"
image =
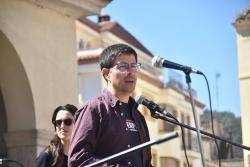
{"points": [[89, 23], [117, 30], [122, 33], [88, 55]]}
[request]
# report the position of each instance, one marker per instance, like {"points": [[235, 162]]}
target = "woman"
{"points": [[56, 153]]}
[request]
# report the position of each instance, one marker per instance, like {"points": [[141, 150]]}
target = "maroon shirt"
{"points": [[100, 131]]}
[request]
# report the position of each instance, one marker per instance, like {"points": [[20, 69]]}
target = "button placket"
{"points": [[129, 163]]}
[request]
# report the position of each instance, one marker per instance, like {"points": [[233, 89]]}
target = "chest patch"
{"points": [[131, 126]]}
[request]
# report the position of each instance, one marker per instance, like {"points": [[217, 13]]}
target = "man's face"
{"points": [[123, 75]]}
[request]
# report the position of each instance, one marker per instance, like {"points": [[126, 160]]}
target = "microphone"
{"points": [[160, 62], [151, 105]]}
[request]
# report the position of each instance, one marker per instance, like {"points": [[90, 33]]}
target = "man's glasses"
{"points": [[122, 67], [66, 122]]}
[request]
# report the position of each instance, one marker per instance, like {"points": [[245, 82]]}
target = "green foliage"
{"points": [[231, 127]]}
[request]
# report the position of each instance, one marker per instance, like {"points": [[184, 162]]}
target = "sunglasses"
{"points": [[66, 122]]}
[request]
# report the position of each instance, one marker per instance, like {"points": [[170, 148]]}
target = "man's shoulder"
{"points": [[140, 115], [94, 102]]}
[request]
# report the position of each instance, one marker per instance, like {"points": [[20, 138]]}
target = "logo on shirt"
{"points": [[131, 125]]}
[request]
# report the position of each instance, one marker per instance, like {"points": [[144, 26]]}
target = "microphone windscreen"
{"points": [[156, 61], [139, 99]]}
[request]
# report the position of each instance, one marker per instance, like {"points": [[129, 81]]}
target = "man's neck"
{"points": [[124, 97]]}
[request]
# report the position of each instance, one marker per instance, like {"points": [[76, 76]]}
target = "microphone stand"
{"points": [[164, 138], [171, 120], [188, 81]]}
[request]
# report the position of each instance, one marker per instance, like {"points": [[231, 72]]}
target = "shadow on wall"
{"points": [[3, 127]]}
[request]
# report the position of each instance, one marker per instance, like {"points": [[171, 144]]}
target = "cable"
{"points": [[184, 145], [10, 161], [2, 165], [183, 139], [212, 122]]}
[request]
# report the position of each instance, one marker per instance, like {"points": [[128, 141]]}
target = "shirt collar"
{"points": [[114, 100], [110, 98]]}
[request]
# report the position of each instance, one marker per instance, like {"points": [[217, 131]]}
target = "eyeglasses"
{"points": [[66, 122], [122, 67]]}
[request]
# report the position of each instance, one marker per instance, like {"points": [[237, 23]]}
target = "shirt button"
{"points": [[122, 114], [129, 163], [129, 146], [120, 103]]}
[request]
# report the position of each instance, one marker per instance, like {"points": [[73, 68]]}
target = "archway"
{"points": [[17, 114]]}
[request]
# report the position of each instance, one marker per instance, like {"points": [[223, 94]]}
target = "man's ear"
{"points": [[105, 73]]}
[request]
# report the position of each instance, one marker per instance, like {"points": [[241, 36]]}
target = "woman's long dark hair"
{"points": [[55, 149]]}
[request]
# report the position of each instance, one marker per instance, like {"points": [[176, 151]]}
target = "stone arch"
{"points": [[16, 101], [38, 68]]}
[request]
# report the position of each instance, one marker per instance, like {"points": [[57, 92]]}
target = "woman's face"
{"points": [[64, 125]]}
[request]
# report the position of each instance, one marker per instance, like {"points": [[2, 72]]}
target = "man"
{"points": [[111, 122]]}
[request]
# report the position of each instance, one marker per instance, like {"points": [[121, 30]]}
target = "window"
{"points": [[182, 118], [165, 126], [80, 44], [189, 137], [185, 119], [83, 45], [84, 83]]}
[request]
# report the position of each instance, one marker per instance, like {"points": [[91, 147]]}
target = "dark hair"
{"points": [[55, 149], [109, 54], [68, 107]]}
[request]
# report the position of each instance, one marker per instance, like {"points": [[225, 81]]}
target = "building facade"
{"points": [[37, 54], [242, 26], [92, 38]]}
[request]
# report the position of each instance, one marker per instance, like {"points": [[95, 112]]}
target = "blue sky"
{"points": [[194, 33]]}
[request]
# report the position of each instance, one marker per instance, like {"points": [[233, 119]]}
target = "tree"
{"points": [[231, 130]]}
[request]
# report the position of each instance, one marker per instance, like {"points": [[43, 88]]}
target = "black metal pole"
{"points": [[157, 116], [136, 148]]}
